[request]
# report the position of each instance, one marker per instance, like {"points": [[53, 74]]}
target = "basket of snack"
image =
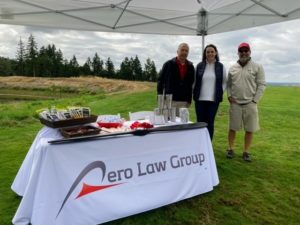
{"points": [[79, 131], [71, 116]]}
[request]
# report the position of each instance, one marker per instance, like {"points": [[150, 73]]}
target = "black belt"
{"points": [[245, 103]]}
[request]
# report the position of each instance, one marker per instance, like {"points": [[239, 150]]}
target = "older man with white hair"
{"points": [[177, 78]]}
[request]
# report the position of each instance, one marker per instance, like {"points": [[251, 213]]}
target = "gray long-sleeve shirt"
{"points": [[247, 83]]}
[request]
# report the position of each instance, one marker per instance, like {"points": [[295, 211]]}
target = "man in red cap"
{"points": [[245, 87]]}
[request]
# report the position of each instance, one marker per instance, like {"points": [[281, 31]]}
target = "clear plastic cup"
{"points": [[184, 115]]}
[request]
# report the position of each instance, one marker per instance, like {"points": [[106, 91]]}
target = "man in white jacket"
{"points": [[245, 87]]}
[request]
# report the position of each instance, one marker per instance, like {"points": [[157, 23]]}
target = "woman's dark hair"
{"points": [[204, 52]]}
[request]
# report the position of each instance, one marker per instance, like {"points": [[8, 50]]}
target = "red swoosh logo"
{"points": [[88, 189]]}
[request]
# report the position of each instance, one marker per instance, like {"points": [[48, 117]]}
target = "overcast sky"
{"points": [[275, 46]]}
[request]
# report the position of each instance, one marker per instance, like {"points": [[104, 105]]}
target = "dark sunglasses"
{"points": [[243, 51]]}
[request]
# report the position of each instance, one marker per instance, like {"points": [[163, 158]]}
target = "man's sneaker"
{"points": [[247, 156], [230, 154]]}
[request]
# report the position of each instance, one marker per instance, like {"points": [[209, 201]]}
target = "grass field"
{"points": [[266, 191]]}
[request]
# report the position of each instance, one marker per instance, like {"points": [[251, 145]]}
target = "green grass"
{"points": [[266, 191]]}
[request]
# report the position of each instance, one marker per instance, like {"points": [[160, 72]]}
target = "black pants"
{"points": [[206, 112]]}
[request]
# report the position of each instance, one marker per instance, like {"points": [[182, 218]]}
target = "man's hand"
{"points": [[231, 99]]}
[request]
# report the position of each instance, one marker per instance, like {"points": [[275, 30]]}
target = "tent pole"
{"points": [[202, 25], [203, 42]]}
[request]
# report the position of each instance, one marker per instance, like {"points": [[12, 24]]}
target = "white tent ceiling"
{"points": [[184, 17]]}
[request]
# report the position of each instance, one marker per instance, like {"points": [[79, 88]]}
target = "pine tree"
{"points": [[20, 58], [137, 69], [126, 70], [31, 55], [154, 74], [74, 66], [97, 65], [150, 73], [87, 67], [58, 62], [6, 66], [65, 68], [43, 63], [73, 62], [109, 68], [131, 66]]}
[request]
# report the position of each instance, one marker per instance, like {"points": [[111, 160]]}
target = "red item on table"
{"points": [[109, 125], [138, 124]]}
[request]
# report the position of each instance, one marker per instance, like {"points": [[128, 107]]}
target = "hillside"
{"points": [[91, 84]]}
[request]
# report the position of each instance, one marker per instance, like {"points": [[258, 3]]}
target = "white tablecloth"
{"points": [[96, 181]]}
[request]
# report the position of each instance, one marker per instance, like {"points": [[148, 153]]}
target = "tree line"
{"points": [[48, 61]]}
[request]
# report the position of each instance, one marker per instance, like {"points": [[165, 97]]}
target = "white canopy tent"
{"points": [[178, 17], [189, 17]]}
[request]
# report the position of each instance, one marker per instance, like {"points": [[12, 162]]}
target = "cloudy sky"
{"points": [[275, 46]]}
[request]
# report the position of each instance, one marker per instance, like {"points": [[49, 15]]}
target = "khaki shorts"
{"points": [[244, 116]]}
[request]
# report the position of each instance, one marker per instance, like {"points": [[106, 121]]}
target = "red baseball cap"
{"points": [[244, 45]]}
